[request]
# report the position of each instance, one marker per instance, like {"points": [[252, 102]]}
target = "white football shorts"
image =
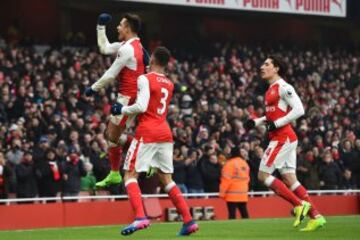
{"points": [[281, 156], [141, 156]]}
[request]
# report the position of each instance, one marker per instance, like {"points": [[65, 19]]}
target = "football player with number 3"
{"points": [[282, 106], [152, 146]]}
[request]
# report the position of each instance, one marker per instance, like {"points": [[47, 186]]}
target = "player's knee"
{"points": [[123, 139], [165, 178], [289, 179], [111, 140], [112, 134], [286, 181]]}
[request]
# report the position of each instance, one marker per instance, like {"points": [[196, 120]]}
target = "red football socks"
{"points": [[281, 190], [301, 192], [115, 157], [134, 193], [180, 203]]}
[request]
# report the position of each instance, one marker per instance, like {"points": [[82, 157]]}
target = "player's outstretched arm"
{"points": [[104, 45], [109, 76]]}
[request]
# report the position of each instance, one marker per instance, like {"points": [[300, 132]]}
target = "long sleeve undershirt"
{"points": [[289, 95], [103, 42]]}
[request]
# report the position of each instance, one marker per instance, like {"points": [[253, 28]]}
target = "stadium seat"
{"points": [[172, 215], [197, 213], [209, 213]]}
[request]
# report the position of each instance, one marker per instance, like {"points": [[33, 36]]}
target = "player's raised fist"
{"points": [[116, 108], [89, 92], [104, 19]]}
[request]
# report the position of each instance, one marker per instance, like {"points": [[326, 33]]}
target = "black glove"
{"points": [[249, 124], [270, 125], [116, 108], [104, 19], [89, 92]]}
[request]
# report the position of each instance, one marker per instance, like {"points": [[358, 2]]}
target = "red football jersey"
{"points": [[277, 107], [152, 124], [132, 70]]}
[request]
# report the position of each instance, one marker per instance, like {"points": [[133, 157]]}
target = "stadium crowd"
{"points": [[51, 135]]}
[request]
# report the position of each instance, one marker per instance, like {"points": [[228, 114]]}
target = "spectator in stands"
{"points": [[15, 154], [74, 141], [99, 161], [4, 176], [329, 172], [348, 182], [26, 178], [356, 168], [88, 181], [179, 175], [307, 170], [61, 151], [39, 153], [211, 171], [254, 163], [48, 174], [349, 157], [194, 181], [72, 171]]}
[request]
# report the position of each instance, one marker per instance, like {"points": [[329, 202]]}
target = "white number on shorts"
{"points": [[161, 110]]}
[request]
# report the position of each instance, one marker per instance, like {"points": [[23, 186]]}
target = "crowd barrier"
{"points": [[116, 209]]}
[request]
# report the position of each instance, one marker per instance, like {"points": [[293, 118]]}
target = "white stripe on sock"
{"points": [[295, 186], [269, 180], [130, 180], [169, 186]]}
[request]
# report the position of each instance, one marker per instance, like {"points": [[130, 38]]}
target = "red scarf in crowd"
{"points": [[55, 170]]}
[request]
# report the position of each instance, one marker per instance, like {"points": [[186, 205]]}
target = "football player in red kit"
{"points": [[127, 67], [152, 146], [282, 106]]}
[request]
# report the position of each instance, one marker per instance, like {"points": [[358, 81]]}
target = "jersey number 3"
{"points": [[161, 110]]}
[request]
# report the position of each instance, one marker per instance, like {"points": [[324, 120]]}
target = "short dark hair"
{"points": [[162, 56], [279, 63], [134, 21]]}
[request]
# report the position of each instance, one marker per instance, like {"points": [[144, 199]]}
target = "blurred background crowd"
{"points": [[52, 136]]}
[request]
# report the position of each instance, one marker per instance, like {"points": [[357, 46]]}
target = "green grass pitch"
{"points": [[342, 227]]}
